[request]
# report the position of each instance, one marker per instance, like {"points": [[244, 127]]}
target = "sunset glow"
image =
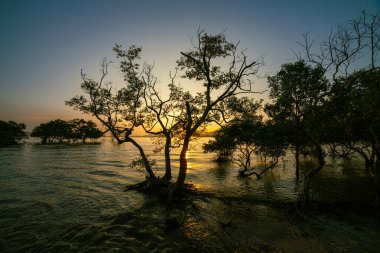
{"points": [[45, 44], [189, 126]]}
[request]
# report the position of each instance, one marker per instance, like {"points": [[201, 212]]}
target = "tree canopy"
{"points": [[56, 131], [216, 66], [11, 132]]}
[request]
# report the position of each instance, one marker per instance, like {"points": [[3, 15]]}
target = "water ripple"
{"points": [[70, 198]]}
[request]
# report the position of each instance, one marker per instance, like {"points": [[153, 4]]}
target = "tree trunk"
{"points": [[376, 155], [372, 158], [369, 165], [185, 146], [297, 156], [309, 177], [377, 185], [369, 160], [183, 161], [168, 170], [298, 146], [143, 157]]}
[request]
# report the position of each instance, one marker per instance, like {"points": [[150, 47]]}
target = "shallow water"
{"points": [[71, 198]]}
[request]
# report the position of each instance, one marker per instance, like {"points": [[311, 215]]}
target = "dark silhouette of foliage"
{"points": [[349, 47], [246, 136], [56, 131], [81, 129], [213, 63], [297, 90], [231, 111], [11, 132], [222, 146], [52, 131], [354, 110]]}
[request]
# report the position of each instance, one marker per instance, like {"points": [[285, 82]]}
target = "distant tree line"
{"points": [[58, 131], [54, 131], [11, 133]]}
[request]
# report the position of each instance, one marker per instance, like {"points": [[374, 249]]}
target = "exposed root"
{"points": [[246, 172], [298, 211], [149, 185], [172, 194], [138, 186]]}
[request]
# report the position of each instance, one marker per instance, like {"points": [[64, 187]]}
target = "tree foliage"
{"points": [[297, 91], [354, 110], [214, 64], [247, 135], [350, 51], [81, 129], [11, 132], [231, 112], [56, 131]]}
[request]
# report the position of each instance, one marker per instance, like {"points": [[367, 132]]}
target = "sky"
{"points": [[45, 43]]}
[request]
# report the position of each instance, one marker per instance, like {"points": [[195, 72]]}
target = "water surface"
{"points": [[71, 198]]}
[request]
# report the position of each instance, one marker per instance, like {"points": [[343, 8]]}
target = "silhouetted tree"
{"points": [[215, 64], [41, 131], [351, 46], [52, 131], [230, 112], [222, 145], [81, 129], [257, 138], [354, 113], [123, 110], [11, 132], [353, 108], [59, 130], [297, 91], [158, 116], [232, 77], [247, 136]]}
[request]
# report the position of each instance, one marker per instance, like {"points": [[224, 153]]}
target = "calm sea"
{"points": [[72, 198]]}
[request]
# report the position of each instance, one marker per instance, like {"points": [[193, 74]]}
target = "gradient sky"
{"points": [[45, 44]]}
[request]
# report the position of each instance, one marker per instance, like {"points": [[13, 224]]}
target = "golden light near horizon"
{"points": [[34, 84], [191, 152]]}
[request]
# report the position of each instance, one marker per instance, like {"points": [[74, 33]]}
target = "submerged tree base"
{"points": [[173, 193], [150, 185], [247, 172]]}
